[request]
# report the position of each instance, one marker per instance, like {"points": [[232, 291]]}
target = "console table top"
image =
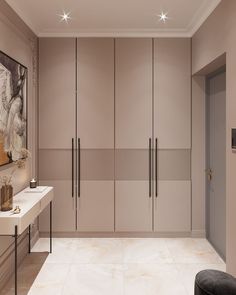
{"points": [[31, 205]]}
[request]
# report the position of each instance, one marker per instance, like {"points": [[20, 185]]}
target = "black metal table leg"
{"points": [[51, 227], [16, 238], [30, 238]]}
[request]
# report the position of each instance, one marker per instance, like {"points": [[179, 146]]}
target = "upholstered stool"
{"points": [[214, 282]]}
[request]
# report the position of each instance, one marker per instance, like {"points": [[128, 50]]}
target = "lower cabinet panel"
{"points": [[63, 208], [96, 206], [133, 207], [172, 207]]}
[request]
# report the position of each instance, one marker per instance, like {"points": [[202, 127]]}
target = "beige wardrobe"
{"points": [[115, 133]]}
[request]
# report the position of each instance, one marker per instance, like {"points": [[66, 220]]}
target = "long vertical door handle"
{"points": [[79, 167], [150, 167], [156, 169], [72, 167]]}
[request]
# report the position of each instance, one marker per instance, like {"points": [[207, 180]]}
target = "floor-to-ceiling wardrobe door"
{"points": [[172, 134], [95, 70], [57, 67], [133, 131]]}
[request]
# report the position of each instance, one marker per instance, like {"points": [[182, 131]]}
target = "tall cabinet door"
{"points": [[57, 128], [96, 133], [172, 134], [133, 129]]}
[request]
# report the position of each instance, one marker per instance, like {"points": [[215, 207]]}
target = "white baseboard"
{"points": [[117, 234], [193, 234], [198, 234]]}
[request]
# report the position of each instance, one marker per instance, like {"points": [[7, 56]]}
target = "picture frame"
{"points": [[13, 108]]}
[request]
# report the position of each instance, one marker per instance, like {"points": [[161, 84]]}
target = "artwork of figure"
{"points": [[13, 131]]}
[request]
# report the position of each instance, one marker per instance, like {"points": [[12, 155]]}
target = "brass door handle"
{"points": [[209, 173]]}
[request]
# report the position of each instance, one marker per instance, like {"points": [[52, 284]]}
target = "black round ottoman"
{"points": [[214, 282]]}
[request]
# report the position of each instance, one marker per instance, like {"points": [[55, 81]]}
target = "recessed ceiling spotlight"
{"points": [[163, 17], [65, 17]]}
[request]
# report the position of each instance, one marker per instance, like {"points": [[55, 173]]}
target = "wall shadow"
{"points": [[27, 273]]}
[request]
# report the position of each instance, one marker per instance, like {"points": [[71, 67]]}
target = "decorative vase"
{"points": [[6, 198]]}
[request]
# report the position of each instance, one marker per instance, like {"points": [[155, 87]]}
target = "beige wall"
{"points": [[215, 37], [21, 44]]}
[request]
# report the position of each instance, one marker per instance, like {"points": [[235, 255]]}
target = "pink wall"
{"points": [[215, 37]]}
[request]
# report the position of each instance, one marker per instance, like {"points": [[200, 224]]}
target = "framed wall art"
{"points": [[13, 109]]}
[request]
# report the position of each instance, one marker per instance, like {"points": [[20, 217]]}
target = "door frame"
{"points": [[219, 71]]}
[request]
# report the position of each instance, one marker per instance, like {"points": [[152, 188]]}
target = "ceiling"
{"points": [[114, 17]]}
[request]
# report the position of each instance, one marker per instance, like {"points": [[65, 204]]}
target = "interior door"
{"points": [[216, 171], [95, 109], [133, 131], [172, 134], [57, 127]]}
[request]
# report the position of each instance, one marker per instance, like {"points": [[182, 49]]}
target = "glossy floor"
{"points": [[118, 267]]}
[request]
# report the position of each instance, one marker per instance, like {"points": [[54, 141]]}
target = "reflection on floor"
{"points": [[27, 273], [118, 267]]}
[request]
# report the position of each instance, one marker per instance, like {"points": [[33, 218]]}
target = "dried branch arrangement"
{"points": [[19, 164]]}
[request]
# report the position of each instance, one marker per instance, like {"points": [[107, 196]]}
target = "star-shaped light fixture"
{"points": [[65, 17], [163, 17]]}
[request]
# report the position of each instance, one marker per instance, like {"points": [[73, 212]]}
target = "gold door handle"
{"points": [[209, 173]]}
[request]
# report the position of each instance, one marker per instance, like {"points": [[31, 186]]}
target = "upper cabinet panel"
{"points": [[57, 65], [96, 92], [133, 95], [172, 93]]}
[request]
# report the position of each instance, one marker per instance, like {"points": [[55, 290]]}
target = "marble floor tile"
{"points": [[42, 245], [152, 279], [62, 250], [50, 280], [94, 279], [146, 251], [189, 250], [97, 251], [125, 266]]}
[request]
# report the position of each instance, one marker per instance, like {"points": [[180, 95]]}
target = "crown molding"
{"points": [[24, 18], [198, 19], [120, 34], [201, 16]]}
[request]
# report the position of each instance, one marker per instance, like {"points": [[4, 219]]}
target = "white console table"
{"points": [[31, 204]]}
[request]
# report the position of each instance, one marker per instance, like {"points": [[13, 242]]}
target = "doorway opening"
{"points": [[216, 160]]}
